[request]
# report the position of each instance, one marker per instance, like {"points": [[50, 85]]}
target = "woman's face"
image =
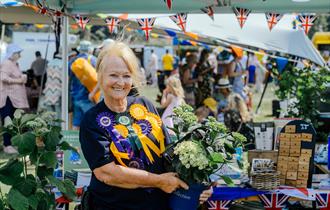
{"points": [[16, 56], [116, 80]]}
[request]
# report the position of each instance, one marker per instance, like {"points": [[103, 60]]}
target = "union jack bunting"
{"points": [[112, 23], [209, 11], [241, 15], [272, 19], [219, 205], [180, 19], [274, 201], [81, 21], [169, 4], [323, 201], [43, 10], [146, 25], [306, 21]]}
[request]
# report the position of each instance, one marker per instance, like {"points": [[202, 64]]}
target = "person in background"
{"points": [[189, 83], [39, 66], [236, 71], [209, 108], [79, 93], [173, 96], [168, 61], [125, 174], [237, 118], [153, 67], [51, 95], [221, 94], [12, 89]]}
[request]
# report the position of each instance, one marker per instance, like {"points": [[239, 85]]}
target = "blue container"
{"points": [[329, 152], [186, 199]]}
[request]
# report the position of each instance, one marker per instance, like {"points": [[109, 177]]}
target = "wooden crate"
{"points": [[306, 137], [304, 159], [284, 151], [295, 151], [262, 154], [306, 152], [303, 175], [303, 167], [293, 166]]}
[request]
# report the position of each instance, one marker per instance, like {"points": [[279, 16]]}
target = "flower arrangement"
{"points": [[201, 149]]}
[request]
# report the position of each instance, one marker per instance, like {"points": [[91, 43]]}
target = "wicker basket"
{"points": [[265, 180]]}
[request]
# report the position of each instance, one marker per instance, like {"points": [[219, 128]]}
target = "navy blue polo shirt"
{"points": [[99, 148]]}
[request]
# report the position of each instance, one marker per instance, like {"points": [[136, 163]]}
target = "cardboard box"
{"points": [[295, 151], [295, 144], [282, 159], [293, 159], [301, 182], [306, 152], [290, 129], [291, 175], [284, 143], [303, 175], [296, 136], [284, 151], [291, 182], [306, 137], [303, 167], [293, 166], [304, 159], [262, 154]]}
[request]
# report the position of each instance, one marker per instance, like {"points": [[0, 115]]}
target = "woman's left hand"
{"points": [[206, 194]]}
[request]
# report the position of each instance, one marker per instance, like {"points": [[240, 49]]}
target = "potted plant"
{"points": [[201, 150], [37, 138]]}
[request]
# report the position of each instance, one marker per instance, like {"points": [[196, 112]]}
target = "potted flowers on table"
{"points": [[201, 150]]}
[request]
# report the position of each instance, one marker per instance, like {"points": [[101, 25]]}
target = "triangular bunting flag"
{"points": [[169, 4], [323, 201], [307, 21], [81, 21], [272, 19], [180, 19], [146, 25], [43, 10], [209, 11], [112, 23], [241, 15], [274, 201], [219, 205]]}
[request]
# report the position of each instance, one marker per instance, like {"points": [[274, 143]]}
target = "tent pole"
{"points": [[2, 40], [65, 86]]}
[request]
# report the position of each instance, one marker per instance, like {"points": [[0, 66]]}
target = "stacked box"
{"points": [[293, 161]]}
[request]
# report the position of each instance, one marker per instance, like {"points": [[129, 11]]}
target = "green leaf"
{"points": [[228, 181], [229, 148], [34, 155], [66, 146], [27, 186], [25, 142], [27, 117], [17, 201], [49, 159], [52, 139], [44, 171], [11, 172], [33, 201], [66, 187], [217, 157]]}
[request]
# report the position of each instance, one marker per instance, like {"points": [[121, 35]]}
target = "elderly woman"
{"points": [[12, 89], [122, 139]]}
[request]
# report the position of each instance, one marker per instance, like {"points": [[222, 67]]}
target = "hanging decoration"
{"points": [[169, 4], [180, 19], [81, 21], [209, 11], [146, 25], [307, 21], [219, 205], [272, 19], [241, 15], [112, 23], [43, 10]]}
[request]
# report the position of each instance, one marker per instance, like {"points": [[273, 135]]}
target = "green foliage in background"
{"points": [[306, 86], [37, 138]]}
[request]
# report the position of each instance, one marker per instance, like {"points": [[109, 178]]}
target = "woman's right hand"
{"points": [[169, 182]]}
